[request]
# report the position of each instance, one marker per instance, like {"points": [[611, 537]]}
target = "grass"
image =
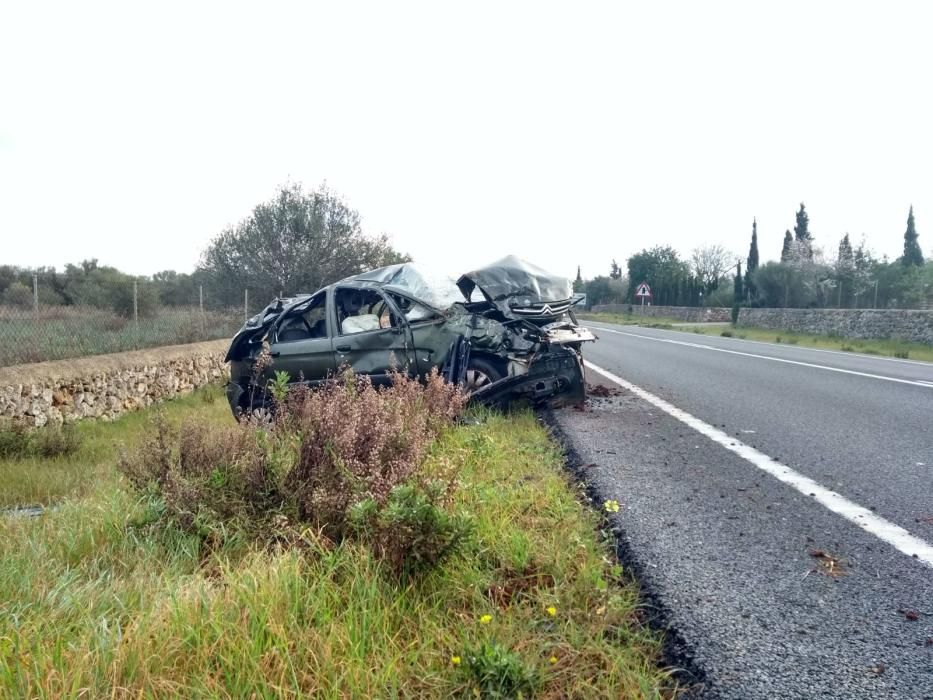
{"points": [[37, 480], [68, 331], [96, 602], [882, 347], [633, 319]]}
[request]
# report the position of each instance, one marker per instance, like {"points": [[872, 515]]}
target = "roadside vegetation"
{"points": [[420, 556], [77, 331], [633, 319], [847, 275], [883, 347]]}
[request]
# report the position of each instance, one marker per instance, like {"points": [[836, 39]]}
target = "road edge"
{"points": [[678, 654]]}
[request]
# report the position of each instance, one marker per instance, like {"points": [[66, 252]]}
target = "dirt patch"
{"points": [[514, 584], [601, 391]]}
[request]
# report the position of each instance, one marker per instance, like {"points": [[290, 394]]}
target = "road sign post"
{"points": [[643, 292]]}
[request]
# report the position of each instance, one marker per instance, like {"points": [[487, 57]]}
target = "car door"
{"points": [[430, 337], [371, 336], [302, 344]]}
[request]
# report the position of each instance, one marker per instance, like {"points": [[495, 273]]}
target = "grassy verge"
{"points": [[884, 347], [633, 319], [34, 480], [96, 602], [887, 348]]}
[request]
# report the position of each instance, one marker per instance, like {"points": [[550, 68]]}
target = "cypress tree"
{"points": [[578, 285], [845, 270], [752, 261], [912, 253], [787, 250], [802, 230], [846, 256], [738, 286]]}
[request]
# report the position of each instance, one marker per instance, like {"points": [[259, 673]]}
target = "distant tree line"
{"points": [[297, 241], [803, 277]]}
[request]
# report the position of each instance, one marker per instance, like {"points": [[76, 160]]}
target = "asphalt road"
{"points": [[723, 536]]}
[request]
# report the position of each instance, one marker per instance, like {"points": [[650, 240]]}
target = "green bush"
{"points": [[18, 294], [55, 441], [412, 531], [18, 442], [726, 334], [344, 459], [498, 672], [14, 440]]}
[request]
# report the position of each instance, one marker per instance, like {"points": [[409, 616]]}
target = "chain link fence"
{"points": [[37, 324]]}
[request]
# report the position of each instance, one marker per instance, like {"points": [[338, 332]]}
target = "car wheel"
{"points": [[480, 373]]}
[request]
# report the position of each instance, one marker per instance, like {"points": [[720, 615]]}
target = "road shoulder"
{"points": [[726, 558]]}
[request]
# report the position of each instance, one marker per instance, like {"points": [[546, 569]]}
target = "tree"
{"points": [[864, 277], [845, 271], [578, 284], [802, 230], [661, 268], [912, 253], [615, 272], [710, 263], [179, 288], [295, 242], [783, 285], [788, 246], [604, 290], [738, 287], [17, 294], [751, 263]]}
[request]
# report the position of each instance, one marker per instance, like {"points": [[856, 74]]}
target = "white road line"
{"points": [[914, 382], [883, 529], [788, 346]]}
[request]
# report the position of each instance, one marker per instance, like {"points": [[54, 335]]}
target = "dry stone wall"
{"points": [[105, 386], [900, 324]]}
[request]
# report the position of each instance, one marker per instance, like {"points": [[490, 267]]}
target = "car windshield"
{"points": [[437, 290]]}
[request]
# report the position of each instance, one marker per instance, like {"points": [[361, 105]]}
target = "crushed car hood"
{"points": [[256, 326], [513, 278]]}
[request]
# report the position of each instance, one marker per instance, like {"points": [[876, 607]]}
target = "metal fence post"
{"points": [[136, 309], [245, 305], [35, 295]]}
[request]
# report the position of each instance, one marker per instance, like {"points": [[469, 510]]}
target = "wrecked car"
{"points": [[504, 332]]}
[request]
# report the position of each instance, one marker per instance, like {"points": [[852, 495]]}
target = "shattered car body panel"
{"points": [[505, 331]]}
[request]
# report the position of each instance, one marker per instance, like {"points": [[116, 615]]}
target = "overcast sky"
{"points": [[567, 134]]}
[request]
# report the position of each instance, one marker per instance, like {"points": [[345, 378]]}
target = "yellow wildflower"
{"points": [[485, 619], [553, 660], [455, 660], [552, 611], [611, 506]]}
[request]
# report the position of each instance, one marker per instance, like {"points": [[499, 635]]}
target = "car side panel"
{"points": [[375, 352], [432, 341]]}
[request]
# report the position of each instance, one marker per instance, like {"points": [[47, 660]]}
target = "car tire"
{"points": [[480, 372]]}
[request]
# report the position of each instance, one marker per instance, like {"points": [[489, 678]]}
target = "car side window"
{"points": [[362, 310], [305, 325], [413, 311]]}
